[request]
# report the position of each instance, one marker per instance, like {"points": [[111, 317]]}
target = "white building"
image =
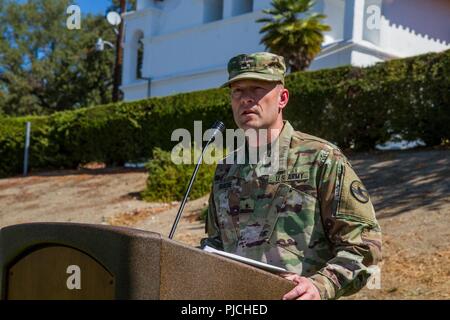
{"points": [[173, 46]]}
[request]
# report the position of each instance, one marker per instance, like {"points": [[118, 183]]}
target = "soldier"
{"points": [[311, 215]]}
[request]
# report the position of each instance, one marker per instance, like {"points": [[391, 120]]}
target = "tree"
{"points": [[293, 32], [44, 66]]}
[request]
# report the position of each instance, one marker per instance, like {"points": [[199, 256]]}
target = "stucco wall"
{"points": [[183, 53]]}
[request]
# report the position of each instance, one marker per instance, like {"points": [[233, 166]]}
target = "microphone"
{"points": [[218, 126]]}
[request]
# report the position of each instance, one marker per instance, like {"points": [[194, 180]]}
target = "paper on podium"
{"points": [[258, 264]]}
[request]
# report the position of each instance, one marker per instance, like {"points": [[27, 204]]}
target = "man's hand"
{"points": [[304, 289]]}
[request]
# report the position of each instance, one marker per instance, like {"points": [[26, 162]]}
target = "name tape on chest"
{"points": [[276, 178], [294, 176]]}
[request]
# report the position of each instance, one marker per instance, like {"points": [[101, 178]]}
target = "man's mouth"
{"points": [[248, 112]]}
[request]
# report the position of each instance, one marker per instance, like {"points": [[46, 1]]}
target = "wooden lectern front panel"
{"points": [[59, 272], [188, 273]]}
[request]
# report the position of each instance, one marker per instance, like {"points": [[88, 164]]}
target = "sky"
{"points": [[89, 6], [92, 6]]}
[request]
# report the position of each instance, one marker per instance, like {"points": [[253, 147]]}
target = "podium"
{"points": [[68, 261]]}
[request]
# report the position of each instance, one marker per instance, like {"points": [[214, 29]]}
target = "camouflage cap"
{"points": [[260, 66]]}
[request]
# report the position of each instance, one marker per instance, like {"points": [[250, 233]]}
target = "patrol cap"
{"points": [[259, 66]]}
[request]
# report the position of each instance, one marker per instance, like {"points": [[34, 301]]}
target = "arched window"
{"points": [[139, 58], [137, 67]]}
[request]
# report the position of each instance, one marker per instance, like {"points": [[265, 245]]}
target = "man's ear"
{"points": [[284, 98]]}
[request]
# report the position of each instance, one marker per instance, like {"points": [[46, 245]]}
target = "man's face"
{"points": [[257, 104]]}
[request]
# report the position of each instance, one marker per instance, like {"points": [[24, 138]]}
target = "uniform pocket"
{"points": [[295, 223], [227, 207]]}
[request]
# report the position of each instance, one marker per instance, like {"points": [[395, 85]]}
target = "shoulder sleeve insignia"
{"points": [[359, 191]]}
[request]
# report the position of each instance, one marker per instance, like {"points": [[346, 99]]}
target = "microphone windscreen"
{"points": [[218, 125]]}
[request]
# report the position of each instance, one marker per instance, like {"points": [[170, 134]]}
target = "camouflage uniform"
{"points": [[312, 216]]}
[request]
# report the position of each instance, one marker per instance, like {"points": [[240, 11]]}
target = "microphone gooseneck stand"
{"points": [[219, 127]]}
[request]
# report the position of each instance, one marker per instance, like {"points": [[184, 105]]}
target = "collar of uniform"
{"points": [[279, 153], [284, 140], [281, 145]]}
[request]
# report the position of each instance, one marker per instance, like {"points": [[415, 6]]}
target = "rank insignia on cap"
{"points": [[359, 191], [246, 63]]}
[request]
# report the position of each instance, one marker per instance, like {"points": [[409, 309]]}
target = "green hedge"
{"points": [[360, 107], [350, 106], [112, 134]]}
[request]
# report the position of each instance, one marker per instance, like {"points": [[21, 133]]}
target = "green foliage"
{"points": [[168, 181], [203, 214], [44, 66], [352, 107], [360, 107], [293, 32], [114, 133]]}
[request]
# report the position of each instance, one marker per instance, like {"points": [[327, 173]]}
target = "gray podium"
{"points": [[79, 261]]}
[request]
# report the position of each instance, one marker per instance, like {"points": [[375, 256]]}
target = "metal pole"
{"points": [[183, 203], [27, 146], [119, 53], [218, 127], [149, 87]]}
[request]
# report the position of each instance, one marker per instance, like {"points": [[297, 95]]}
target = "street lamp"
{"points": [[100, 44], [114, 19]]}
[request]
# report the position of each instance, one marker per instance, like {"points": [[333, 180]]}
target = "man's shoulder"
{"points": [[314, 150], [302, 140]]}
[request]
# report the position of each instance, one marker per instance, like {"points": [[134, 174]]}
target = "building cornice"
{"points": [[203, 27], [363, 45], [132, 15], [135, 84], [180, 75]]}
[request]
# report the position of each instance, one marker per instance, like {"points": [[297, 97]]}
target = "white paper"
{"points": [[258, 264]]}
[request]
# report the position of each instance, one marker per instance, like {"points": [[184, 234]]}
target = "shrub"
{"points": [[168, 181]]}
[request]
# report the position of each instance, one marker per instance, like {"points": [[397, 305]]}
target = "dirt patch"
{"points": [[422, 271], [132, 218], [71, 195]]}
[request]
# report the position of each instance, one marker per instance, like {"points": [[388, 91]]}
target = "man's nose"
{"points": [[247, 98]]}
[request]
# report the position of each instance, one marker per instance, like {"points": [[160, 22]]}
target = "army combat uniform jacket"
{"points": [[311, 216]]}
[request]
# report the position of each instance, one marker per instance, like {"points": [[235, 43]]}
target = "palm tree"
{"points": [[297, 39]]}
